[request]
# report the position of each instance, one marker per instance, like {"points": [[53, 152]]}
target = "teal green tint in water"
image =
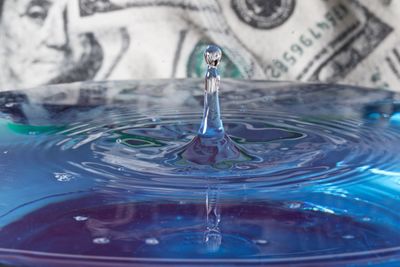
{"points": [[115, 174]]}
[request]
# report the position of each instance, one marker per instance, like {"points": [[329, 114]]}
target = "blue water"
{"points": [[125, 183]]}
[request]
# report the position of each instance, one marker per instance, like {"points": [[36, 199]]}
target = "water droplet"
{"points": [[9, 105], [101, 240], [32, 133], [119, 141], [348, 236], [260, 241], [63, 176], [151, 241], [294, 205], [80, 218], [366, 219], [121, 169]]}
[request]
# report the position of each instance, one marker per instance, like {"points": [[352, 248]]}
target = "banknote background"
{"points": [[339, 41]]}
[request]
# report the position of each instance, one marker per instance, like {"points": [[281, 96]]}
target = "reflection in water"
{"points": [[212, 235]]}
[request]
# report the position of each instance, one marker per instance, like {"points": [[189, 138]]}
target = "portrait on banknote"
{"points": [[36, 46]]}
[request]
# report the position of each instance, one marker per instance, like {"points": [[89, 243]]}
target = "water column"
{"points": [[211, 125], [212, 146]]}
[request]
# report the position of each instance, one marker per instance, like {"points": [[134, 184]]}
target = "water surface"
{"points": [[104, 172]]}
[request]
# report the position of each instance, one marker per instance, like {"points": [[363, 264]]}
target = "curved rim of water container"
{"points": [[77, 260]]}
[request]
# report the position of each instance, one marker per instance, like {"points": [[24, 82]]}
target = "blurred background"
{"points": [[336, 41]]}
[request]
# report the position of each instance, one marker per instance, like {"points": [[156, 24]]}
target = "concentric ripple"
{"points": [[308, 181], [279, 149]]}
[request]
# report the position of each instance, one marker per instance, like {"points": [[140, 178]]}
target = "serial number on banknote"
{"points": [[306, 41]]}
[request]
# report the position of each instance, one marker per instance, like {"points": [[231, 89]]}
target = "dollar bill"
{"points": [[335, 41]]}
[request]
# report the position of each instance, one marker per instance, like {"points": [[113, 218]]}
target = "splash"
{"points": [[212, 146]]}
